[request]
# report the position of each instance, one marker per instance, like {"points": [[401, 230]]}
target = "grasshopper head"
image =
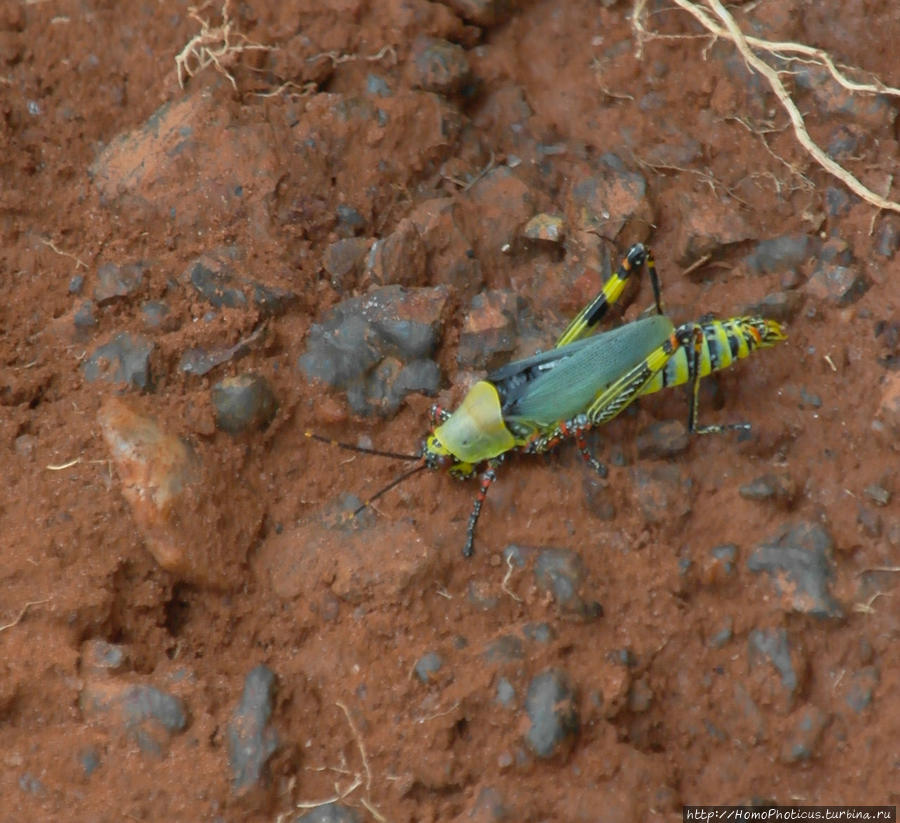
{"points": [[439, 458], [766, 332]]}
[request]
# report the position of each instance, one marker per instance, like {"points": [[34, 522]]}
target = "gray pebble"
{"points": [[439, 66], [804, 738], [779, 253], [798, 560], [879, 495], [662, 440], [489, 807], [243, 403], [862, 687], [125, 359], [722, 636], [552, 712], [214, 281], [76, 284], [89, 760], [773, 645], [887, 240], [251, 741], [505, 649], [116, 281], [539, 632], [777, 488], [331, 813], [561, 572], [506, 694], [428, 665], [349, 221]]}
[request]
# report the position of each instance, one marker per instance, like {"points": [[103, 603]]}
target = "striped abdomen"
{"points": [[724, 342]]}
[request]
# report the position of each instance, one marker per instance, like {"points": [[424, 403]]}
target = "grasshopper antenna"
{"points": [[395, 482], [364, 450]]}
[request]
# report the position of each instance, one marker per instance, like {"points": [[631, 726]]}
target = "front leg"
{"points": [[485, 479]]}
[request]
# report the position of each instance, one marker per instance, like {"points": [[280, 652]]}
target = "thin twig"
{"points": [[24, 609], [51, 245], [730, 30]]}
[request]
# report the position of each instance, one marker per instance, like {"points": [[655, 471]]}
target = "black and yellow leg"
{"points": [[588, 318]]}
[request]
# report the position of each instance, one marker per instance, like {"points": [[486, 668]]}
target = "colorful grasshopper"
{"points": [[531, 405]]}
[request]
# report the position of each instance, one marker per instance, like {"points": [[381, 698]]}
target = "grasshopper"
{"points": [[532, 405]]}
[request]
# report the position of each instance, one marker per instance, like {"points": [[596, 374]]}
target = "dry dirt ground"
{"points": [[224, 226]]}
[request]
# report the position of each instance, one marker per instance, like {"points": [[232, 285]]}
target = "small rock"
{"points": [[803, 740], [887, 241], [505, 649], [76, 284], [330, 813], [489, 807], [427, 666], [84, 319], [772, 645], [156, 315], [869, 521], [251, 741], [125, 359], [552, 712], [89, 760], [798, 560], [862, 687], [496, 206], [723, 560], [561, 573], [98, 656], [839, 285], [640, 696], [879, 495], [705, 226], [344, 260], [887, 417], [115, 281], [722, 636], [664, 496], [788, 251], [489, 332], [359, 335], [506, 694], [214, 280], [539, 632], [243, 403], [483, 12], [550, 228], [145, 713], [777, 488], [439, 66], [400, 257], [838, 201], [349, 221], [612, 202], [663, 440], [451, 258], [174, 500]]}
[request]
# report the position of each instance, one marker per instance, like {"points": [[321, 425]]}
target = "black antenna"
{"points": [[395, 482], [362, 449]]}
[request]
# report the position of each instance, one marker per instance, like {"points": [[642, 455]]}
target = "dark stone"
{"points": [[125, 359], [722, 636], [782, 306], [428, 665], [243, 403], [439, 66], [331, 813], [215, 282], [506, 694], [349, 221], [84, 319], [798, 560], [155, 313], [489, 807], [141, 703], [561, 572], [344, 259], [837, 201], [76, 284], [505, 649], [777, 488], [779, 253], [804, 738], [115, 281], [773, 645], [552, 712], [539, 632], [251, 741], [862, 687], [887, 240], [89, 759], [662, 440]]}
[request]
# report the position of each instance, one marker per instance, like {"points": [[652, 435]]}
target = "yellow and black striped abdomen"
{"points": [[723, 342]]}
